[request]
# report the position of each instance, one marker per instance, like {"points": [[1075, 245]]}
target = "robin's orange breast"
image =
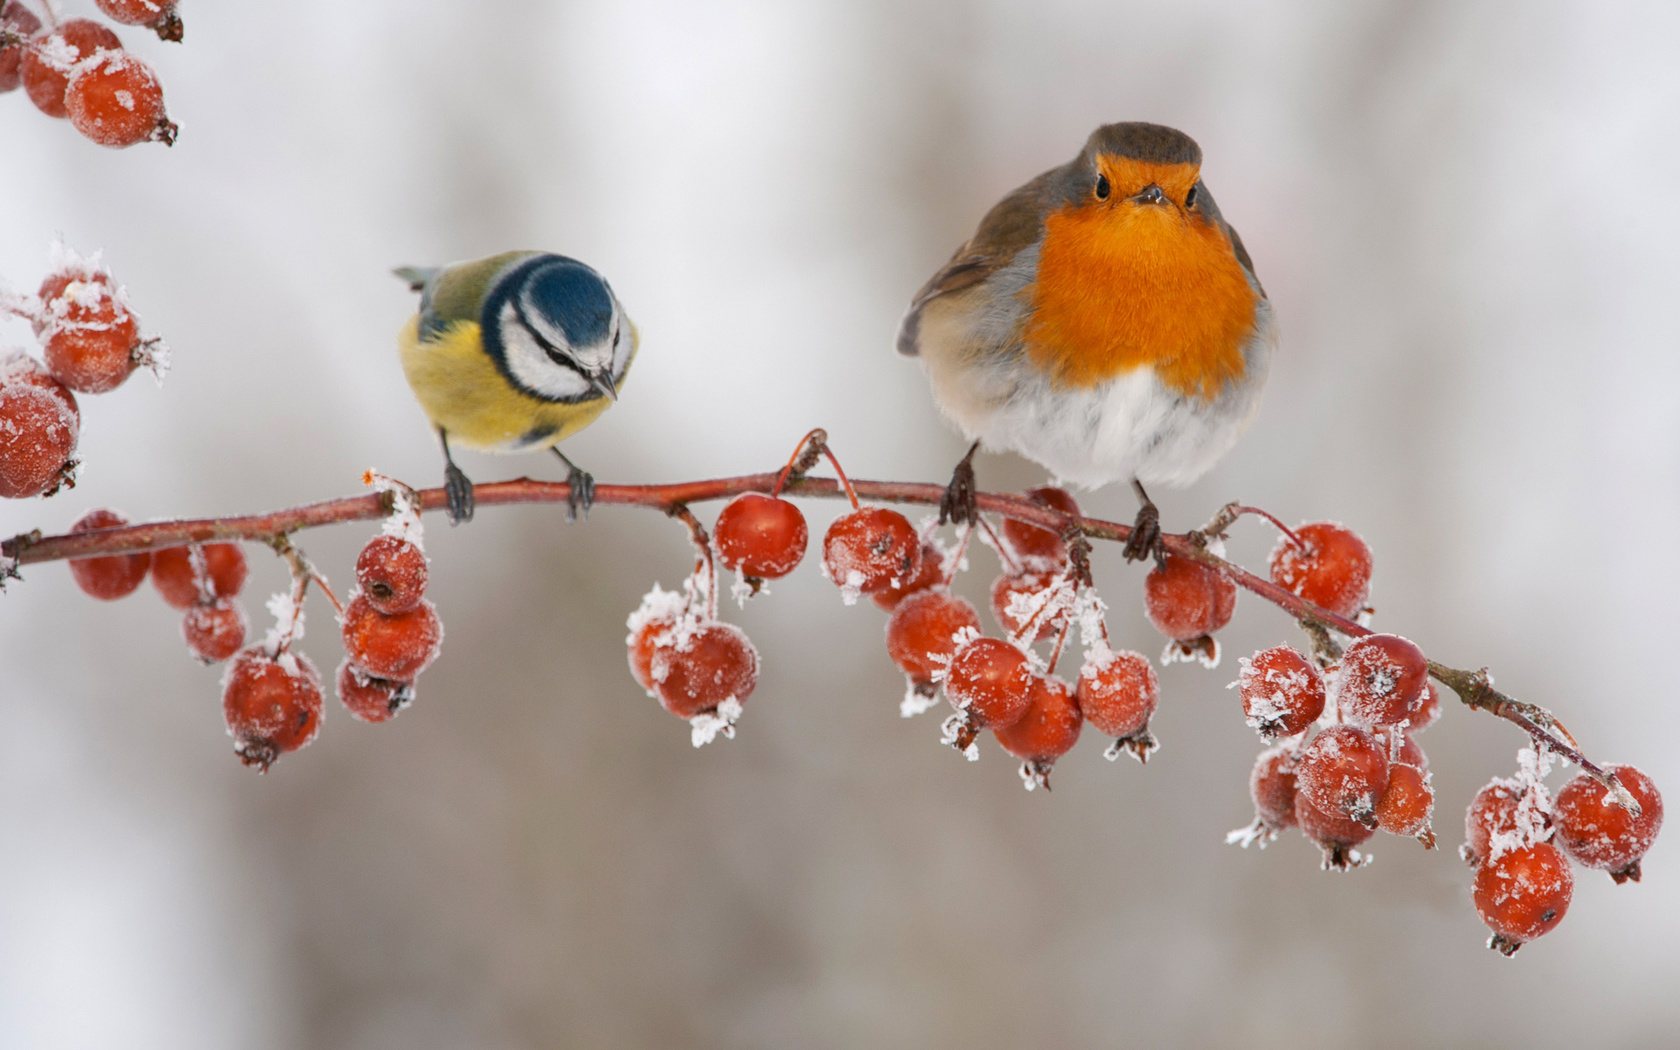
{"points": [[1131, 285]]}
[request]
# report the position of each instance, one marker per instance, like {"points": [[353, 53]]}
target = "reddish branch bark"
{"points": [[1474, 688]]}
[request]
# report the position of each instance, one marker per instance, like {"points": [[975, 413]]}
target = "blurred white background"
{"points": [[1464, 213]]}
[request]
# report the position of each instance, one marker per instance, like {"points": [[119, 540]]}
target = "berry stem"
{"points": [[804, 457], [1003, 550], [703, 559]]}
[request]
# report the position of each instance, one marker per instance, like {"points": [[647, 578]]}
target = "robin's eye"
{"points": [[1102, 187], [1190, 198]]}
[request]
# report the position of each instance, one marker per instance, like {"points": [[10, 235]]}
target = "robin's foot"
{"points": [[459, 490], [582, 484], [1145, 539], [957, 506]]}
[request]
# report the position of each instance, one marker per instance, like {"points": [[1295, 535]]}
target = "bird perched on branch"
{"points": [[514, 353], [1104, 321]]}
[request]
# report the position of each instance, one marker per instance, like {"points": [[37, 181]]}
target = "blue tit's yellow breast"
{"points": [[464, 394]]}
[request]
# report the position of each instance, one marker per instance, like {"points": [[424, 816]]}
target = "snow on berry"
{"points": [[397, 646], [38, 436], [1032, 602], [1046, 730], [112, 576], [1381, 680], [214, 630], [22, 23], [1282, 691], [1407, 804], [989, 682], [1335, 835], [1188, 602], [115, 100], [1343, 772], [1118, 693], [1522, 894], [923, 631], [17, 367], [1333, 571], [709, 671], [370, 699], [870, 550], [663, 619], [1271, 785], [1510, 813], [51, 57], [931, 570], [272, 704], [1598, 832], [158, 15]]}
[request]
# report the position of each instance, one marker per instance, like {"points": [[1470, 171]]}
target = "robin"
{"points": [[1104, 321]]}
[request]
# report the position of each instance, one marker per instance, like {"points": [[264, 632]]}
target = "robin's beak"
{"points": [[1150, 194], [603, 381]]}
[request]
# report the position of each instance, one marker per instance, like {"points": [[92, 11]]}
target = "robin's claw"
{"points": [[957, 505], [1145, 539], [458, 488]]}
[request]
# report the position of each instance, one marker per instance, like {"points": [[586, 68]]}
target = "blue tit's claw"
{"points": [[957, 506], [458, 488], [582, 496]]}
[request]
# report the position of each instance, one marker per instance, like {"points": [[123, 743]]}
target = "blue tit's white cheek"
{"points": [[530, 365], [625, 345]]}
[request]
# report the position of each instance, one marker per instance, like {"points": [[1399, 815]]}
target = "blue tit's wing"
{"points": [[456, 292]]}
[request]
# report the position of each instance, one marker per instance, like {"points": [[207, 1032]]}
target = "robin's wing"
{"points": [[1014, 223], [1211, 209]]}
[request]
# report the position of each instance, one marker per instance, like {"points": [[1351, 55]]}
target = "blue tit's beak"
{"points": [[603, 381]]}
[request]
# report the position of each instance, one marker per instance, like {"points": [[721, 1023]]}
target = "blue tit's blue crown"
{"points": [[551, 325], [571, 297]]}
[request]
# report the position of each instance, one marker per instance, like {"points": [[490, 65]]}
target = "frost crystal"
{"points": [[1204, 651], [1258, 833], [288, 624], [1531, 821], [853, 587], [917, 699], [403, 522], [706, 727]]}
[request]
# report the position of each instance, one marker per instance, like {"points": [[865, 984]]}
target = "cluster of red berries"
{"points": [[90, 343], [1520, 840], [78, 69], [203, 581]]}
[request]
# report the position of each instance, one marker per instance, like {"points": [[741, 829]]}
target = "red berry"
{"points": [[650, 626], [396, 646], [153, 14], [1035, 587], [1272, 787], [1497, 810], [1400, 748], [760, 537], [697, 674], [18, 367], [392, 573], [370, 699], [989, 681], [215, 630], [1523, 894], [1430, 712], [1335, 834], [1407, 804], [1597, 832], [1046, 730], [52, 55], [178, 584], [114, 576], [1344, 772], [1282, 692], [115, 100], [1186, 600], [1039, 548], [37, 438], [922, 633], [1381, 681], [1118, 693], [870, 550], [20, 21], [1334, 572], [272, 705], [931, 571], [90, 337]]}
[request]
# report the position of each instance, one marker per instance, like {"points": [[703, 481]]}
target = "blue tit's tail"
{"points": [[416, 276]]}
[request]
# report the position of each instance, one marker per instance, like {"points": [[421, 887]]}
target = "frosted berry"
{"points": [[392, 573], [712, 665], [1334, 834], [20, 21], [1334, 572], [1272, 787], [931, 571], [922, 633], [159, 15], [397, 646], [37, 438], [1187, 600], [52, 55], [1381, 680], [1496, 810], [214, 630], [1039, 548], [1400, 748], [1118, 693], [643, 641], [112, 576], [1344, 772], [870, 550], [19, 368], [1407, 804], [370, 699], [761, 537], [1597, 832], [1046, 730], [989, 682], [1032, 586], [1430, 711], [1523, 894], [178, 584], [115, 99], [90, 338], [272, 705], [1282, 692]]}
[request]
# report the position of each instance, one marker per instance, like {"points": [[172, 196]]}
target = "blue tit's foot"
{"points": [[458, 488], [582, 484], [1145, 538], [957, 505]]}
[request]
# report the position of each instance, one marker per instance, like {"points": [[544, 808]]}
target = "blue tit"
{"points": [[514, 353]]}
